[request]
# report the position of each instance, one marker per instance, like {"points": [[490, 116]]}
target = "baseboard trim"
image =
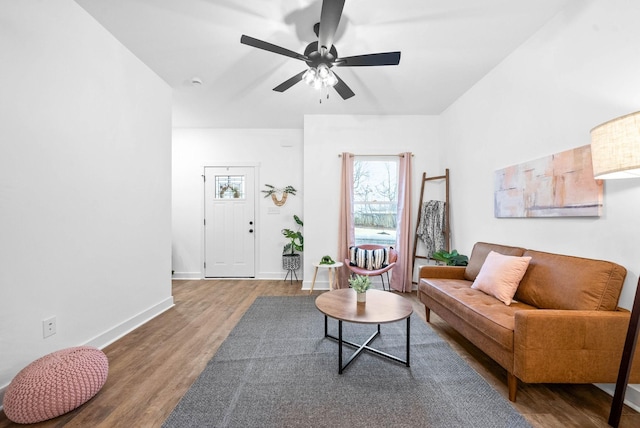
{"points": [[260, 275], [186, 275], [318, 286], [631, 396], [115, 333]]}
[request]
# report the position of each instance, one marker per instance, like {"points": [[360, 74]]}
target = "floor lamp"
{"points": [[615, 151]]}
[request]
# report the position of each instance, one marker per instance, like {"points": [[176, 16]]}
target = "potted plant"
{"points": [[450, 259], [360, 283], [291, 259]]}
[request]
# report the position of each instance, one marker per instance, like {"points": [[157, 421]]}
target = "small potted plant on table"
{"points": [[360, 283]]}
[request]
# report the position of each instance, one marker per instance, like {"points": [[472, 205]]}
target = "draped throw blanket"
{"points": [[431, 227]]}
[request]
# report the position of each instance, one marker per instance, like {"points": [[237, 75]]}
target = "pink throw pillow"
{"points": [[500, 276]]}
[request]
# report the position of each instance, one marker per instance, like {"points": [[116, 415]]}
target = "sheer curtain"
{"points": [[346, 233], [401, 277]]}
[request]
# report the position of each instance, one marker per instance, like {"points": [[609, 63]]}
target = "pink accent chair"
{"points": [[393, 258]]}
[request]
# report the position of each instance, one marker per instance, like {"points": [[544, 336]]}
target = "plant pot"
{"points": [[361, 297], [291, 261]]}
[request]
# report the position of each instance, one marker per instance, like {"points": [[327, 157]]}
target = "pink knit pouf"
{"points": [[55, 384]]}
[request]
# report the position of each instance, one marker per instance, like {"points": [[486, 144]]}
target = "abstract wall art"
{"points": [[560, 185]]}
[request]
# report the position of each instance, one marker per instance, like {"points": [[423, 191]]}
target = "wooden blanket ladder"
{"points": [[447, 236]]}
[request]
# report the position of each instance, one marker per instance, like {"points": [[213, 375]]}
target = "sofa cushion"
{"points": [[485, 313], [555, 281], [500, 275], [479, 254]]}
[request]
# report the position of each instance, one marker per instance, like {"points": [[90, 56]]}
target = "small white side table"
{"points": [[331, 271]]}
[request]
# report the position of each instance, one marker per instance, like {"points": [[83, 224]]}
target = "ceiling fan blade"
{"points": [[246, 40], [290, 82], [342, 89], [329, 20], [385, 58]]}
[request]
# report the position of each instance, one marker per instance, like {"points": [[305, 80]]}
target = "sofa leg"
{"points": [[427, 313], [512, 383]]}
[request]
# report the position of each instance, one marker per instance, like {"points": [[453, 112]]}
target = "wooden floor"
{"points": [[152, 367]]}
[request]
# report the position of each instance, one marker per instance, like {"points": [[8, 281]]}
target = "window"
{"points": [[375, 199]]}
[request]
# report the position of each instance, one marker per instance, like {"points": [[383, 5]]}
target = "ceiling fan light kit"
{"points": [[320, 77], [322, 55]]}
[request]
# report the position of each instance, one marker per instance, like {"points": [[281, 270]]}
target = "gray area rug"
{"points": [[276, 369]]}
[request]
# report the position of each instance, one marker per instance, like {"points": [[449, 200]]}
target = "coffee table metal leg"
{"points": [[363, 347], [326, 330], [340, 347], [408, 337]]}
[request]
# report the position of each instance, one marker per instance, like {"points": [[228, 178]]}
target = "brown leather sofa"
{"points": [[564, 326]]}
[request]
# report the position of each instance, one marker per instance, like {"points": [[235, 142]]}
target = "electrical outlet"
{"points": [[49, 327]]}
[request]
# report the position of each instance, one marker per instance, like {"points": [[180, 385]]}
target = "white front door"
{"points": [[229, 222]]}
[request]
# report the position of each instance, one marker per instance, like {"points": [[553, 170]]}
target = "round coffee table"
{"points": [[381, 307]]}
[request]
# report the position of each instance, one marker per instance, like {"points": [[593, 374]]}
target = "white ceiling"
{"points": [[446, 45]]}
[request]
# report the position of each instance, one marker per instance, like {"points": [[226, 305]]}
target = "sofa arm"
{"points": [[568, 346], [443, 272]]}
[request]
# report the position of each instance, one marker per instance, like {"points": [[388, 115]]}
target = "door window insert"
{"points": [[230, 187]]}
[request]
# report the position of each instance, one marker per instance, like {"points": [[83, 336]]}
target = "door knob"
{"points": [[250, 230]]}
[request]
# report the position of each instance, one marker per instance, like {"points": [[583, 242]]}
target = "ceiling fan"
{"points": [[322, 55]]}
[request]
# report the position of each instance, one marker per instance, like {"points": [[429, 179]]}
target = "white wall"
{"points": [[85, 158], [325, 137], [282, 157], [278, 156], [577, 72]]}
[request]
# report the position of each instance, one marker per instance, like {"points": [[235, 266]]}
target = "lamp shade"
{"points": [[615, 148]]}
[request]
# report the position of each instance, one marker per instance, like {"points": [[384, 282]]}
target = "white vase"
{"points": [[361, 297]]}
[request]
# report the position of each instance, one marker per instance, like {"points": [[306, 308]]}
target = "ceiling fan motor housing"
{"points": [[315, 58]]}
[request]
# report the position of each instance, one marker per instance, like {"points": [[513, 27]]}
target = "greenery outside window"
{"points": [[375, 199]]}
